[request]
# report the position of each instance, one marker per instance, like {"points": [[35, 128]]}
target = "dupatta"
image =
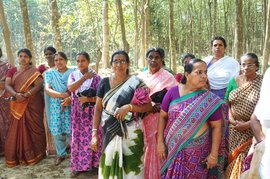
{"points": [[21, 82], [190, 121]]}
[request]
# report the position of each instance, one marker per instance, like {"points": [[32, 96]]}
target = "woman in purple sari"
{"points": [[81, 81], [190, 137]]}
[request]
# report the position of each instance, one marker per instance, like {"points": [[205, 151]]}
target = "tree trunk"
{"points": [[55, 25], [99, 56], [215, 19], [147, 24], [143, 50], [27, 30], [266, 41], [171, 35], [136, 37], [105, 25], [122, 23], [238, 36], [6, 34]]}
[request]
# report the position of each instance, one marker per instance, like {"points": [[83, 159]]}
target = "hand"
{"points": [[89, 75], [20, 97], [161, 150], [211, 161], [26, 95], [240, 126], [94, 142], [156, 108], [83, 99], [121, 112], [64, 95], [65, 102]]}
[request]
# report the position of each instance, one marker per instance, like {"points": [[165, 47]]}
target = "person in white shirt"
{"points": [[221, 69]]}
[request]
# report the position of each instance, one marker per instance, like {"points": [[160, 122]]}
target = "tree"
{"points": [[105, 26], [55, 16], [171, 35], [122, 24], [147, 23], [6, 34], [238, 36], [143, 47], [136, 37], [266, 41], [27, 30]]}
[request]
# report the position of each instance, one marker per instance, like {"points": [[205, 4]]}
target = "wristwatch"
{"points": [[13, 98]]}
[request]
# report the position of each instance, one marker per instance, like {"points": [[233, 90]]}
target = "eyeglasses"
{"points": [[243, 65], [120, 62]]}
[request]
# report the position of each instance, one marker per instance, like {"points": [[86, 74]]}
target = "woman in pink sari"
{"points": [[159, 81]]}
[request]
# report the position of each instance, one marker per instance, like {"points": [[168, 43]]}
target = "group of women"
{"points": [[127, 126]]}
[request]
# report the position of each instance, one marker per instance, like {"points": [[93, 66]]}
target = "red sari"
{"points": [[26, 141], [4, 109]]}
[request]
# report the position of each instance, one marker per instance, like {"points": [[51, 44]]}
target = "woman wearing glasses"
{"points": [[159, 81], [121, 100], [242, 95]]}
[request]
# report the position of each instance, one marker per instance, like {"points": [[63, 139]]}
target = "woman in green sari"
{"points": [[121, 100]]}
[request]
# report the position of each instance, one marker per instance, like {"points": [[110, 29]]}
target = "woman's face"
{"points": [[49, 56], [248, 67], [218, 48], [24, 59], [119, 64], [82, 63], [60, 62], [154, 62], [198, 77]]}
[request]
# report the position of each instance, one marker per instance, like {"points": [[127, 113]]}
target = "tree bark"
{"points": [[105, 26], [142, 62], [266, 41], [238, 36], [6, 34], [27, 30], [122, 24], [136, 37], [172, 35], [55, 16], [147, 24]]}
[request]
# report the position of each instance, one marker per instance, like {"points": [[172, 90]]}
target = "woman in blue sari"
{"points": [[59, 104], [190, 139]]}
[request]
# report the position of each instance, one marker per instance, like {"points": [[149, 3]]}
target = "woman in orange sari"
{"points": [[26, 141]]}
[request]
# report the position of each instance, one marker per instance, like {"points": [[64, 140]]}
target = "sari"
{"points": [[82, 158], [156, 83], [242, 103], [4, 109], [186, 116], [26, 141], [122, 155], [50, 148]]}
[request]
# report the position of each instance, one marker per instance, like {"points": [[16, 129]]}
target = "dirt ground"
{"points": [[44, 169]]}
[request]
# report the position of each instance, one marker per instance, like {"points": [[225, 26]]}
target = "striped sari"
{"points": [[122, 155], [186, 117]]}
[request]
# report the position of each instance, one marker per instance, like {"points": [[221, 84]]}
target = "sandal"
{"points": [[59, 160]]}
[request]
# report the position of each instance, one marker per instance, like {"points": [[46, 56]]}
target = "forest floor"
{"points": [[44, 169]]}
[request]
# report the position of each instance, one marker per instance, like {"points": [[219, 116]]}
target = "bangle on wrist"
{"points": [[131, 107], [30, 94], [211, 156], [84, 78], [94, 130]]}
